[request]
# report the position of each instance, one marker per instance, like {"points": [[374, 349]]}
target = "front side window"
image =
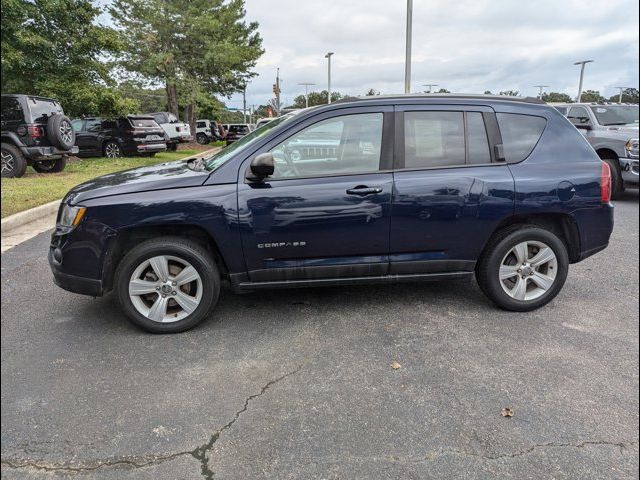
{"points": [[93, 125], [344, 145], [520, 134], [579, 116], [434, 139]]}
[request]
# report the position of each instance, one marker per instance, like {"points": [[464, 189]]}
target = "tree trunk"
{"points": [[172, 98]]}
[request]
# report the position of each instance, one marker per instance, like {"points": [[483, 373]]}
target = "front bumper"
{"points": [[630, 169], [47, 153], [73, 283]]}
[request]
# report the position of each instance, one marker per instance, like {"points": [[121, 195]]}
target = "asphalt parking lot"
{"points": [[299, 384]]}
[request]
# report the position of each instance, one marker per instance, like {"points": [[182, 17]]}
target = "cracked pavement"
{"points": [[298, 384]]}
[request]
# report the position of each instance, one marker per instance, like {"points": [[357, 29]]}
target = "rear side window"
{"points": [[520, 134], [433, 139], [11, 110], [477, 140], [93, 125]]}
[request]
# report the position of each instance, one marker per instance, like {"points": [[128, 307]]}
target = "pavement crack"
{"points": [[200, 453], [82, 467]]}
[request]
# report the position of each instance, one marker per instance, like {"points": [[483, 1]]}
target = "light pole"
{"points": [[582, 63], [430, 85], [407, 60], [244, 104], [541, 87], [622, 89], [306, 92], [328, 57]]}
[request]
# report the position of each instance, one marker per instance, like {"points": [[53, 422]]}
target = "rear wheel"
{"points": [[167, 285], [172, 147], [112, 150], [13, 162], [523, 268], [50, 166]]}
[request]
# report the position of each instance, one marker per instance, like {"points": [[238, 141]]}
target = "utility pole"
{"points": [[582, 63], [541, 87], [276, 91], [306, 92], [328, 57], [430, 85], [244, 104], [407, 60]]}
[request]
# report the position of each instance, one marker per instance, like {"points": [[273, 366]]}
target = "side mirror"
{"points": [[261, 167]]}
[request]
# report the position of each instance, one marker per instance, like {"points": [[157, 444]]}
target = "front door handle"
{"points": [[364, 190]]}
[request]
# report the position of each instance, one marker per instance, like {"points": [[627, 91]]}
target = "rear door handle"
{"points": [[364, 190]]}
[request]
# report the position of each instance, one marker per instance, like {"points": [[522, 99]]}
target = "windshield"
{"points": [[245, 142], [616, 114]]}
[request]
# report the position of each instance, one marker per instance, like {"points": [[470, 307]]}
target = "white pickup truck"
{"points": [[175, 130]]}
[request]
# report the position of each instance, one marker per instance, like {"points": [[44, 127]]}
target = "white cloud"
{"points": [[464, 46]]}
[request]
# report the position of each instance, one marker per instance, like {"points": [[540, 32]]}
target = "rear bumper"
{"points": [[151, 147], [630, 169], [595, 226], [46, 153]]}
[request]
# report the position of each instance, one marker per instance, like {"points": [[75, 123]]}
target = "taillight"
{"points": [[605, 183], [34, 131]]}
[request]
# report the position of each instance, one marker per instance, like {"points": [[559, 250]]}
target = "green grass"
{"points": [[35, 189]]}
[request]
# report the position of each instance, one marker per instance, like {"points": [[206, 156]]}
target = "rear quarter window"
{"points": [[520, 134]]}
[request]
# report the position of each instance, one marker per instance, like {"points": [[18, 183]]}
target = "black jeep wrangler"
{"points": [[35, 132]]}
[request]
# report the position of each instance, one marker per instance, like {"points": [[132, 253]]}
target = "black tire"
{"points": [[50, 166], [112, 149], [60, 132], [184, 249], [202, 139], [172, 147], [13, 162], [617, 184], [488, 268]]}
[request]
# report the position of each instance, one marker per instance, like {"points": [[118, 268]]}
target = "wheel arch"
{"points": [[128, 238], [561, 224]]}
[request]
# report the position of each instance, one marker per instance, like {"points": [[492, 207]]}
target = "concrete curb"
{"points": [[17, 220], [20, 219]]}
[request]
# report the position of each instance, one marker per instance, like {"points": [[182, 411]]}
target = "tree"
{"points": [[592, 96], [488, 92], [372, 92], [316, 98], [194, 49], [556, 97], [443, 90], [56, 48], [509, 93], [629, 95]]}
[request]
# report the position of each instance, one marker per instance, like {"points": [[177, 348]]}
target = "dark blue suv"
{"points": [[371, 190]]}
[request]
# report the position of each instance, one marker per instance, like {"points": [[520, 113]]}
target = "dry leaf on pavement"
{"points": [[395, 365], [506, 412]]}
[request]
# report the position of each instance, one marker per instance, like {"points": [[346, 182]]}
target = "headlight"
{"points": [[71, 216], [632, 148]]}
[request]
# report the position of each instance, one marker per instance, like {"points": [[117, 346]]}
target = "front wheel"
{"points": [[167, 285], [202, 139], [523, 268], [13, 162], [617, 184], [50, 166]]}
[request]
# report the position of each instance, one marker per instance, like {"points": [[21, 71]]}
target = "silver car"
{"points": [[612, 130]]}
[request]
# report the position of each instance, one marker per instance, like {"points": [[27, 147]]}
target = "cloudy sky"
{"points": [[463, 45]]}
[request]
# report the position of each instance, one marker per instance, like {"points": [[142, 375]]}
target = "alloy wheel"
{"points": [[528, 270], [165, 289], [8, 162], [112, 150], [66, 132]]}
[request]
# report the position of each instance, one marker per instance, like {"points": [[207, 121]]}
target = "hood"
{"points": [[144, 179]]}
